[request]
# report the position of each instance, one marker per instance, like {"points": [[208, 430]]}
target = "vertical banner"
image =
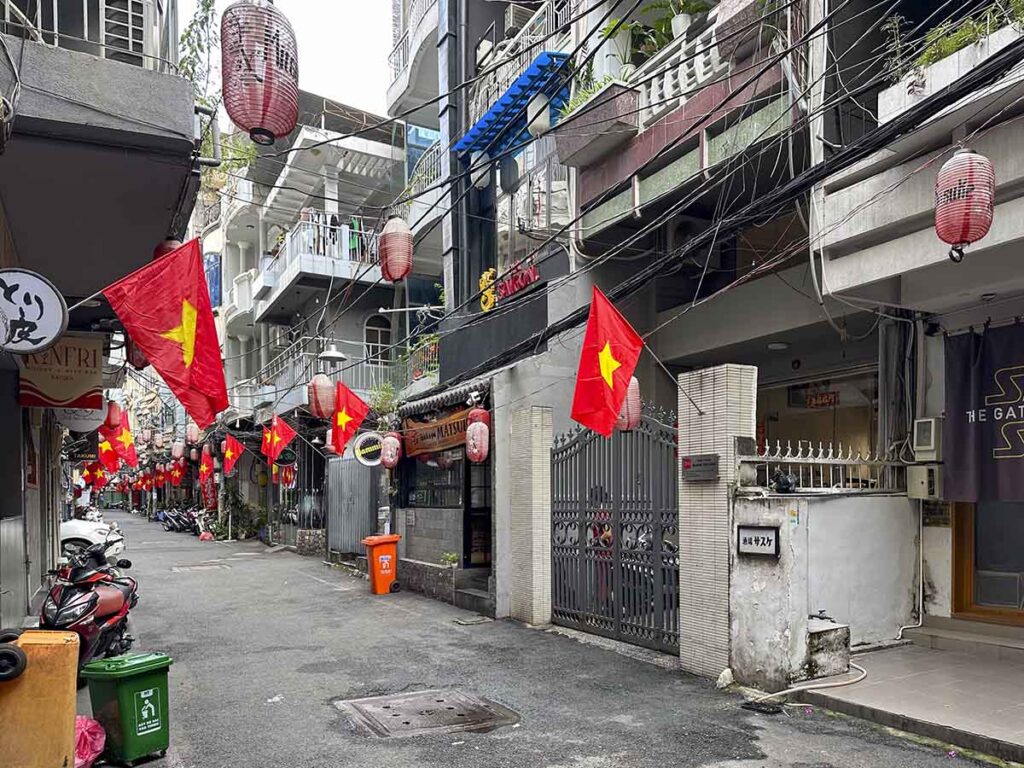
{"points": [[983, 441]]}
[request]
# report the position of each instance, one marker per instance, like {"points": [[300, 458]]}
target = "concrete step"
{"points": [[992, 640], [476, 600]]}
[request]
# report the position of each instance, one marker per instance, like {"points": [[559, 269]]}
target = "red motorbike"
{"points": [[92, 598]]}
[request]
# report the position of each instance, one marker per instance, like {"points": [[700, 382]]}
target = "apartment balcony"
{"points": [[875, 221], [413, 64], [311, 258], [240, 217], [244, 398], [238, 309], [424, 208]]}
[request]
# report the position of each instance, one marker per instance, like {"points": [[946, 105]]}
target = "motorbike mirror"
{"points": [[123, 563]]}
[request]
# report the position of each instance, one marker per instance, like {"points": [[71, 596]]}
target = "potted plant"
{"points": [[682, 13]]}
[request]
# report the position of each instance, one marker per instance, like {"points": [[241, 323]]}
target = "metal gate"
{"points": [[352, 500], [614, 534]]}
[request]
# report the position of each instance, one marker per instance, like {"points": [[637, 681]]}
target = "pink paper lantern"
{"points": [[395, 248], [391, 450], [177, 450], [194, 454], [322, 398], [632, 407], [192, 432], [478, 442]]}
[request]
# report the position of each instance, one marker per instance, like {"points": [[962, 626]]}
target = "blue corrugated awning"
{"points": [[504, 124]]}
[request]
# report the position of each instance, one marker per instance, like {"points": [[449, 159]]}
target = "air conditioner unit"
{"points": [[924, 481], [280, 336], [517, 17], [928, 439]]}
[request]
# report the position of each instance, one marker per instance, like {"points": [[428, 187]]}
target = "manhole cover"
{"points": [[190, 568], [423, 712]]}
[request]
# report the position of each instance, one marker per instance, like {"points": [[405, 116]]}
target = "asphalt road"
{"points": [[264, 643]]}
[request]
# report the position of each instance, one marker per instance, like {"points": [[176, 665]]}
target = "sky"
{"points": [[343, 47]]}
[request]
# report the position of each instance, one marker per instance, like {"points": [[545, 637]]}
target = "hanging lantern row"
{"points": [[192, 432], [259, 70], [632, 407], [478, 435], [391, 450], [395, 248], [965, 191], [178, 450], [321, 396]]}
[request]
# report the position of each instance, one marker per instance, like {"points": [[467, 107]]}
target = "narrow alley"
{"points": [[266, 642]]}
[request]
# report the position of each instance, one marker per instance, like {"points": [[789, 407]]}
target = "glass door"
{"points": [[989, 565]]}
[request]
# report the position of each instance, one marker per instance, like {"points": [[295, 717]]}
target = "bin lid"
{"points": [[385, 538], [128, 665]]}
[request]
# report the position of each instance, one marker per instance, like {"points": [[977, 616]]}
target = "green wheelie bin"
{"points": [[129, 699]]}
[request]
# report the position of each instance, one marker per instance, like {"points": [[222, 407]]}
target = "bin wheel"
{"points": [[395, 587], [10, 634], [12, 662]]}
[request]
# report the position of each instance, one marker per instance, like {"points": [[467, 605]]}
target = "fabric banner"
{"points": [[983, 444]]}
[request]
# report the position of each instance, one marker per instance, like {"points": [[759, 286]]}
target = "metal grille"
{"points": [[615, 538], [825, 469], [352, 500]]}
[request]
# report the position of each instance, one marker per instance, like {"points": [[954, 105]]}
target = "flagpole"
{"points": [[674, 380], [85, 301]]}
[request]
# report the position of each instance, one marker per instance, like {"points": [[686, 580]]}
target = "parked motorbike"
{"points": [[92, 597]]}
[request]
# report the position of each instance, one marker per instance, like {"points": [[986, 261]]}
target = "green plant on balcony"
{"points": [[584, 93]]}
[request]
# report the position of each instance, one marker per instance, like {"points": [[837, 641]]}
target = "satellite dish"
{"points": [[33, 313]]}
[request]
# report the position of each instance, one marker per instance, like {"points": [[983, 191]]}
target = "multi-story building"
{"points": [[99, 141]]}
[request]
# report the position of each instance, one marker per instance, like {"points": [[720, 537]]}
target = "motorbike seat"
{"points": [[111, 599]]}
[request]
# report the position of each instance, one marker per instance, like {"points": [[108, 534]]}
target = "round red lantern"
{"points": [[194, 454], [321, 393], [192, 432], [478, 442], [168, 245], [395, 247], [113, 418], [177, 450], [481, 415], [965, 191], [259, 70], [632, 407], [391, 450]]}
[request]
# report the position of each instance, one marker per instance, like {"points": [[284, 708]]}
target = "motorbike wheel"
{"points": [[10, 634], [12, 661]]}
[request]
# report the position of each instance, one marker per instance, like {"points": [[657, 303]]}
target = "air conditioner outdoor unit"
{"points": [[924, 481], [279, 336], [928, 439], [517, 17]]}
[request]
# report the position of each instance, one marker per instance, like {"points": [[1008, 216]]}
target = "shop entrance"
{"points": [[989, 561]]}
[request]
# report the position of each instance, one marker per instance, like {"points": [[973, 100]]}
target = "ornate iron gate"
{"points": [[615, 541]]}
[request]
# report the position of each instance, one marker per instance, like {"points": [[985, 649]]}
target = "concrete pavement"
{"points": [[264, 643]]}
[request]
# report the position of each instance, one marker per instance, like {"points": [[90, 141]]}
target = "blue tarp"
{"points": [[504, 124]]}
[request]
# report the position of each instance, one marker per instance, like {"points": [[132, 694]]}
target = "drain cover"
{"points": [[424, 712]]}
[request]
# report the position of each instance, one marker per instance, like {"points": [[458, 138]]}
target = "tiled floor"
{"points": [[972, 693]]}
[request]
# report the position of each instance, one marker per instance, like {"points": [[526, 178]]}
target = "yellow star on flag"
{"points": [[276, 437], [98, 472], [229, 454], [343, 418], [106, 447], [125, 438], [608, 364], [185, 334]]}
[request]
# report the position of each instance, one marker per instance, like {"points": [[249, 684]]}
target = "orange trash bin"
{"points": [[382, 561]]}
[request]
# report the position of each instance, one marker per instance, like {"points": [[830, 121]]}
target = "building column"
{"points": [[330, 194], [726, 397]]}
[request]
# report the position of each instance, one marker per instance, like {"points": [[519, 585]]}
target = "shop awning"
{"points": [[455, 396], [504, 124]]}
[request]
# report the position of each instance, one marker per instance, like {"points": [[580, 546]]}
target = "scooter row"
{"points": [[184, 519]]}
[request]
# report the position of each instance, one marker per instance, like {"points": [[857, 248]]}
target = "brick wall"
{"points": [[727, 396], [530, 461]]}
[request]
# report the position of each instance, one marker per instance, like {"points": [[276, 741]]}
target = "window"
{"points": [[378, 340], [437, 482]]}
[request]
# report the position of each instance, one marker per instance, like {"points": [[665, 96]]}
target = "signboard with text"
{"points": [[431, 436], [67, 375]]}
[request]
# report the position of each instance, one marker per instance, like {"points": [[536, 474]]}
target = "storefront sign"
{"points": [[67, 375], [522, 275], [983, 440], [367, 449], [822, 400], [80, 419], [757, 540], [703, 466], [33, 314], [430, 436]]}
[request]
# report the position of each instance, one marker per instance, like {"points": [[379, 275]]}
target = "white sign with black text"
{"points": [[757, 540]]}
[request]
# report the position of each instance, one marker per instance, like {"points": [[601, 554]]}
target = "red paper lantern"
{"points": [[194, 454], [207, 449], [113, 419], [478, 441], [329, 443], [965, 191], [182, 462], [192, 432], [259, 70], [321, 391], [632, 407], [177, 450], [481, 415], [395, 247], [168, 245], [159, 467], [391, 450]]}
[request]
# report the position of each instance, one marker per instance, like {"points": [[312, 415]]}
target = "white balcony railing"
{"points": [[425, 175], [399, 57], [138, 32], [296, 364], [547, 30], [241, 292], [310, 238]]}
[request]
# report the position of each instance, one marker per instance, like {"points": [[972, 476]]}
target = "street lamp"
{"points": [[333, 356]]}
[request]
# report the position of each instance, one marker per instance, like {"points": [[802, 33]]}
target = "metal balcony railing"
{"points": [[313, 238], [823, 470], [399, 57], [208, 214], [425, 175], [142, 33], [550, 24]]}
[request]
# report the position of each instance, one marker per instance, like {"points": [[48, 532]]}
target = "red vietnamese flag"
{"points": [[123, 441], [161, 478], [205, 467], [611, 349], [108, 456], [87, 474], [99, 475], [281, 433], [265, 445], [232, 453], [176, 474], [349, 412], [165, 308]]}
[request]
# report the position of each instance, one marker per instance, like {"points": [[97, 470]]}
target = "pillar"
{"points": [[726, 397], [529, 451]]}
